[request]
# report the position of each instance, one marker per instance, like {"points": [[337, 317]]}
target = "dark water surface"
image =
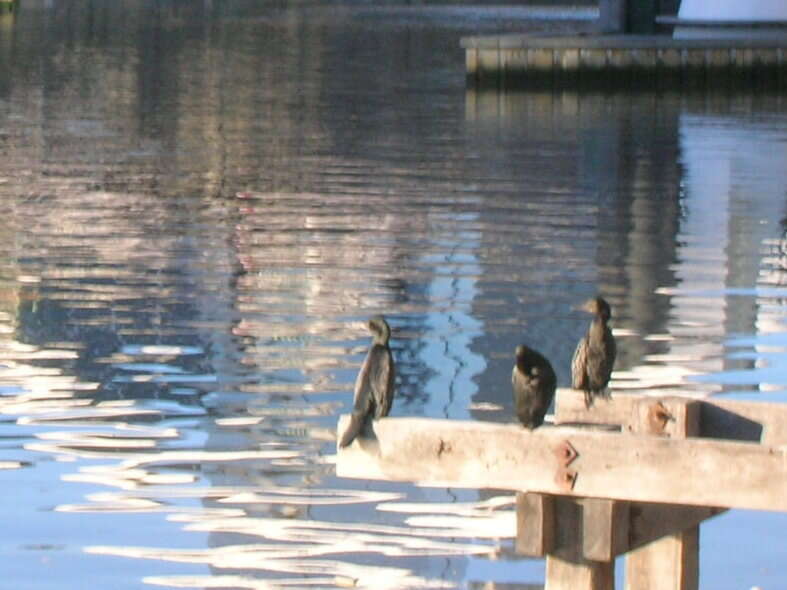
{"points": [[202, 202]]}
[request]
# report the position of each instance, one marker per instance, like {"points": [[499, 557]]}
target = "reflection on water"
{"points": [[201, 206]]}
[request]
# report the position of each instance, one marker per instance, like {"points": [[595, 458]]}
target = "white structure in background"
{"points": [[761, 12], [734, 10]]}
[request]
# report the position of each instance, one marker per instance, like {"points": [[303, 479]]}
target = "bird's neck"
{"points": [[598, 327]]}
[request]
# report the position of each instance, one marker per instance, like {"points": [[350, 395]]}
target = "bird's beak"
{"points": [[585, 306]]}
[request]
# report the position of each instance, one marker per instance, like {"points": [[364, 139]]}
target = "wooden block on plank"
{"points": [[671, 416], [721, 418]]}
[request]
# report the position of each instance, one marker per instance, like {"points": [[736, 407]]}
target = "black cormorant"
{"points": [[591, 366], [374, 386], [533, 381]]}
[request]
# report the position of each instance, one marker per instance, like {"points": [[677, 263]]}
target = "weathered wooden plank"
{"points": [[764, 422], [487, 60], [570, 408], [535, 524], [472, 454], [671, 416], [529, 41], [540, 59], [568, 59]]}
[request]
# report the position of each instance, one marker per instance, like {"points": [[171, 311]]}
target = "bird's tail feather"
{"points": [[355, 427]]}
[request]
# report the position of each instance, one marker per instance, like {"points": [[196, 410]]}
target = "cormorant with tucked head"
{"points": [[374, 386], [533, 382], [594, 357]]}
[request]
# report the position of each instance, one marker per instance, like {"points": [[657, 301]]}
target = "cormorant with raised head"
{"points": [[533, 382], [374, 386], [591, 366]]}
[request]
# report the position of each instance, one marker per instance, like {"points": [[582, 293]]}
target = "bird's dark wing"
{"points": [[357, 422], [518, 381], [373, 394], [549, 380], [363, 400], [532, 394], [362, 395], [524, 398], [579, 365], [600, 358], [381, 379], [611, 348]]}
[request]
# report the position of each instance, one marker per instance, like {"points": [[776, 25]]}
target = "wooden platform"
{"points": [[742, 465], [633, 475], [601, 60]]}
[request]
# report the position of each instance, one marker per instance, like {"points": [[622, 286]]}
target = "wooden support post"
{"points": [[567, 568], [535, 524], [605, 528], [567, 574], [670, 562], [579, 536]]}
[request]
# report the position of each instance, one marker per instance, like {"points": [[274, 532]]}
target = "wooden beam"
{"points": [[764, 422], [633, 467], [535, 524]]}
